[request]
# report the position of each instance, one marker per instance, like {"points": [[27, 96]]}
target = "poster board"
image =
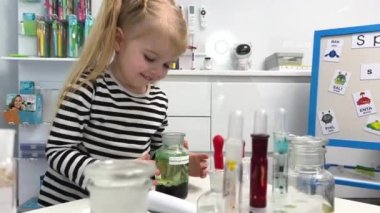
{"points": [[345, 87]]}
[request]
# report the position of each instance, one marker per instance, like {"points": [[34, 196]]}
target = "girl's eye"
{"points": [[166, 66], [148, 58]]}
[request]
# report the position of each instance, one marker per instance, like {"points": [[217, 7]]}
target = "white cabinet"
{"points": [[197, 130], [189, 111], [187, 98]]}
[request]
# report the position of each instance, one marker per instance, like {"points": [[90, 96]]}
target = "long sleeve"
{"points": [[156, 140], [63, 149]]}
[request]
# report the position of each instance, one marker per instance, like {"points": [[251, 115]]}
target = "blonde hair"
{"points": [[98, 50]]}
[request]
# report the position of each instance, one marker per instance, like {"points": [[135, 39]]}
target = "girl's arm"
{"points": [[156, 139], [63, 151]]}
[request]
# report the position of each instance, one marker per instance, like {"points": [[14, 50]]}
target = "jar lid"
{"points": [[307, 140], [119, 172], [173, 138]]}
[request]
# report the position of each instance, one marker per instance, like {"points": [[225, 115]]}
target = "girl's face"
{"points": [[141, 60], [18, 102]]}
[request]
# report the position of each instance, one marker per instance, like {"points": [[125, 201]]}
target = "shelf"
{"points": [[237, 73], [33, 58], [346, 175]]}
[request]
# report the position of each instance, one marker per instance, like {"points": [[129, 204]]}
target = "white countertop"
{"points": [[196, 187]]}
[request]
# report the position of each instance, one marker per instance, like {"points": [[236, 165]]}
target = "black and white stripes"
{"points": [[99, 121]]}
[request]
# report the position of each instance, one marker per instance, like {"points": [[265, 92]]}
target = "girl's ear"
{"points": [[119, 38]]}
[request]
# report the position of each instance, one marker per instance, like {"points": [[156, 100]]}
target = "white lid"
{"points": [[115, 173], [7, 141], [280, 119], [261, 122], [234, 142], [173, 138], [235, 125]]}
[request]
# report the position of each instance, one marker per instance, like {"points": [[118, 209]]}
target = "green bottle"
{"points": [[172, 159]]}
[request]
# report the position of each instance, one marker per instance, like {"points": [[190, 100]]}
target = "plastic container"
{"points": [[172, 159], [282, 59], [7, 172], [119, 186], [309, 184]]}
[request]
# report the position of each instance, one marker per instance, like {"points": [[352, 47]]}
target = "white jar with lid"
{"points": [[119, 186]]}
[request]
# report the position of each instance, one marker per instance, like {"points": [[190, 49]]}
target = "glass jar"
{"points": [[7, 172], [212, 200], [207, 63], [118, 186], [172, 159], [310, 186]]}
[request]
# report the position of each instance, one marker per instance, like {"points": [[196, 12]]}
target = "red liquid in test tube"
{"points": [[259, 161]]}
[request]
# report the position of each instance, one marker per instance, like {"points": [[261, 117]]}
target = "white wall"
{"points": [[8, 44], [276, 25]]}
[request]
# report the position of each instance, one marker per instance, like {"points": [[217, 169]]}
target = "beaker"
{"points": [[119, 186], [309, 184]]}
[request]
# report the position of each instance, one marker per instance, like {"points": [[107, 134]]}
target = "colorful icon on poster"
{"points": [[328, 122], [333, 50], [373, 124], [339, 82], [364, 103]]}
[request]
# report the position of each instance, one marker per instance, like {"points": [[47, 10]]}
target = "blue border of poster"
{"points": [[318, 35]]}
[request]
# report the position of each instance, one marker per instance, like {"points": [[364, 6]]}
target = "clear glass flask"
{"points": [[310, 186], [119, 186], [172, 159], [212, 201]]}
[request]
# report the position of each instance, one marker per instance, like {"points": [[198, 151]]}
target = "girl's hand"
{"points": [[197, 163], [146, 156]]}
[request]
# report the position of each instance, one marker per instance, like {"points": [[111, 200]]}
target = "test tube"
{"points": [[280, 165], [232, 174], [259, 161]]}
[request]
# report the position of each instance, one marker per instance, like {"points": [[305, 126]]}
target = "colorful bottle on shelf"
{"points": [[73, 37], [259, 162], [43, 38], [232, 168]]}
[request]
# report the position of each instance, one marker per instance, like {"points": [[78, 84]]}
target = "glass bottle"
{"points": [[7, 172], [212, 200], [259, 162], [310, 186], [118, 186], [172, 159]]}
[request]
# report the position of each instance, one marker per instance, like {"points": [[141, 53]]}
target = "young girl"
{"points": [[109, 107]]}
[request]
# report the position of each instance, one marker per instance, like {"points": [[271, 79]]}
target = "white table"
{"points": [[196, 187]]}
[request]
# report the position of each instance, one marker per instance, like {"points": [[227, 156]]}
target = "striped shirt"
{"points": [[100, 120]]}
